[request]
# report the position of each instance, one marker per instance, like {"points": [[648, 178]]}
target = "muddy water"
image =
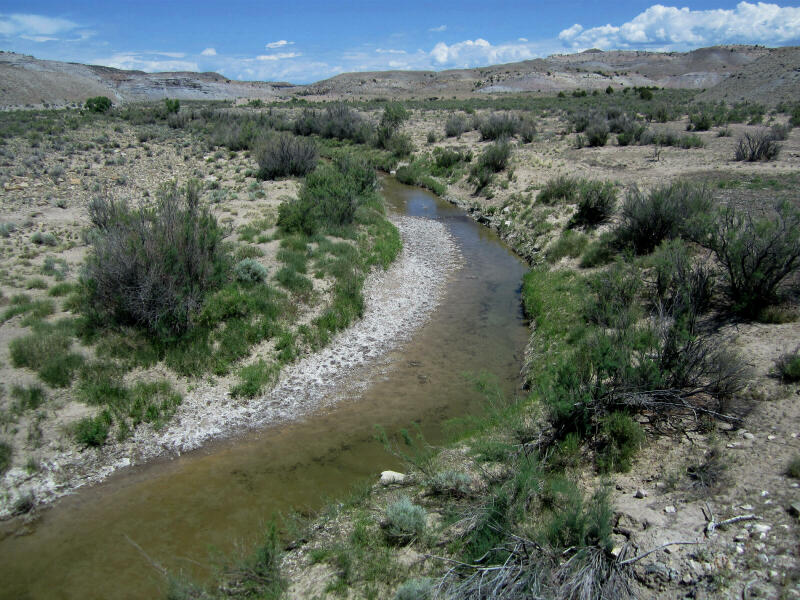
{"points": [[181, 511]]}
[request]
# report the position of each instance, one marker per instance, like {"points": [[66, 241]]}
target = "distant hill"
{"points": [[25, 80], [732, 73]]}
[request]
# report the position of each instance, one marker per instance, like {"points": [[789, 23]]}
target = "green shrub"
{"points": [[619, 440], [254, 378], [573, 522], [788, 366], [600, 252], [757, 146], [596, 203], [6, 455], [757, 253], [571, 243], [46, 351], [92, 431], [172, 105], [44, 239], [664, 213], [249, 270], [404, 521], [616, 290], [449, 483], [560, 189], [415, 589], [700, 121], [792, 469], [27, 398], [99, 104], [496, 155], [284, 155], [400, 145], [499, 125], [153, 266], [329, 197], [527, 130], [455, 125], [597, 134], [55, 267], [645, 94], [683, 291]]}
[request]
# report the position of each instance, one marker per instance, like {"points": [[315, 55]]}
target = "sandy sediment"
{"points": [[398, 301]]}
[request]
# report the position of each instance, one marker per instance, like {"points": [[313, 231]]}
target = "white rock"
{"points": [[640, 493], [748, 436], [670, 509], [771, 437], [390, 477]]}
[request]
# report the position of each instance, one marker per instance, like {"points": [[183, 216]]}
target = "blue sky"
{"points": [[304, 40]]}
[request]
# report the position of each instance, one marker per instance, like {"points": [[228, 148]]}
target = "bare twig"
{"points": [[656, 549], [712, 525], [152, 562]]}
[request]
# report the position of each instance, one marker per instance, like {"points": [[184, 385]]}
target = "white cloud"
{"points": [[279, 56], [669, 27], [522, 39], [471, 53], [149, 62], [438, 29], [278, 44], [38, 28], [389, 51], [209, 52]]}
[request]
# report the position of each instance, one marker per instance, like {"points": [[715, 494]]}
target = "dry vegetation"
{"points": [[662, 366]]}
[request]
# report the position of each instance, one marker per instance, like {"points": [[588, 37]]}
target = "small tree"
{"points": [[757, 253], [152, 266], [99, 104], [172, 105]]}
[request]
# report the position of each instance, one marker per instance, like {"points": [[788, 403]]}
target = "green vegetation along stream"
{"points": [[180, 511]]}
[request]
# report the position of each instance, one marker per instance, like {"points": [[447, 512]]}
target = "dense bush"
{"points": [[152, 266], [329, 197], [172, 105], [499, 125], [284, 155], [92, 431], [493, 159], [620, 438], [6, 454], [99, 104], [757, 253], [249, 270], [757, 146], [560, 189], [788, 366], [404, 521], [596, 203], [682, 290], [455, 125], [700, 121], [665, 212], [337, 121], [597, 134]]}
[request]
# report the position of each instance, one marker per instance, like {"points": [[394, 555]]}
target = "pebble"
{"points": [[748, 436], [771, 437], [670, 509], [640, 493]]}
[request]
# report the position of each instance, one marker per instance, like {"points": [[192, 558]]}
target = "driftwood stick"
{"points": [[662, 546]]}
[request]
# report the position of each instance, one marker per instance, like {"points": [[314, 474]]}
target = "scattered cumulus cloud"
{"points": [[38, 28], [209, 52], [470, 53], [389, 51], [438, 29], [278, 44], [669, 27], [279, 56], [522, 39], [147, 61]]}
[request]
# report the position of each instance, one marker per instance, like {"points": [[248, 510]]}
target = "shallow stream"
{"points": [[181, 511]]}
